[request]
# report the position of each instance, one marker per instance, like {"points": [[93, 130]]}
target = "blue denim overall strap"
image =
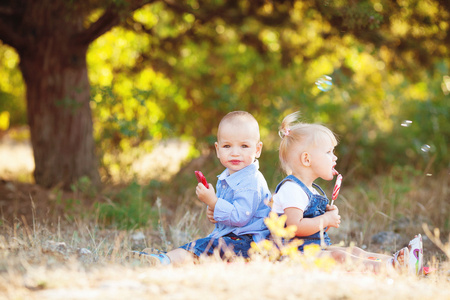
{"points": [[316, 207]]}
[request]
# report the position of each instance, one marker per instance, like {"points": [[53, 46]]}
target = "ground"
{"points": [[219, 280], [25, 201], [31, 270], [19, 199]]}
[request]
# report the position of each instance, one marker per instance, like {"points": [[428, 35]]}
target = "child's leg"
{"points": [[177, 257], [358, 252], [180, 256], [229, 246], [372, 261]]}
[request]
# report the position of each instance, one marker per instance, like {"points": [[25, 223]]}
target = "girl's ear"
{"points": [[305, 159]]}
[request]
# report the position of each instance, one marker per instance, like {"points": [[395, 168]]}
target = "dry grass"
{"points": [[48, 251], [40, 261], [216, 280]]}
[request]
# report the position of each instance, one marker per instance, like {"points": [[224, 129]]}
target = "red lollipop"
{"points": [[336, 189], [201, 178]]}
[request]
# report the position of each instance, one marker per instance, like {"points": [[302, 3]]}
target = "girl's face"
{"points": [[322, 159], [238, 146]]}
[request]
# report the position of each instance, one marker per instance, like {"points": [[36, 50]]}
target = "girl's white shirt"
{"points": [[290, 194]]}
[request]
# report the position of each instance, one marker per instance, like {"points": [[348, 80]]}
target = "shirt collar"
{"points": [[234, 179]]}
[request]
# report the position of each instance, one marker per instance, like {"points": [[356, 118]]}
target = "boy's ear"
{"points": [[305, 159], [217, 149], [258, 149]]}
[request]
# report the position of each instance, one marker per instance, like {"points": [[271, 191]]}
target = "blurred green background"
{"points": [[147, 88]]}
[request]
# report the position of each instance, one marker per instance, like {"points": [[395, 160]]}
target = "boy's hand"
{"points": [[210, 215], [206, 195]]}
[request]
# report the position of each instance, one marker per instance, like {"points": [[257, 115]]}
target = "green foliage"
{"points": [[130, 208], [84, 187], [12, 91], [396, 185], [69, 205], [391, 141]]}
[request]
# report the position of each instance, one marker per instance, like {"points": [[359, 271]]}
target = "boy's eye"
{"points": [[244, 146], [226, 146]]}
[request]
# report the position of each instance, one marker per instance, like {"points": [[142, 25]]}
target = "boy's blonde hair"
{"points": [[295, 133], [239, 116]]}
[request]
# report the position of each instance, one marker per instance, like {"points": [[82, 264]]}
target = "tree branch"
{"points": [[107, 21], [9, 12], [208, 12], [6, 10], [10, 36], [110, 18]]}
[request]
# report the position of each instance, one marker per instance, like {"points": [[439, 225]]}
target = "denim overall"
{"points": [[316, 207]]}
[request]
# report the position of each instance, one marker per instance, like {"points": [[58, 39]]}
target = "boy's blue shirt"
{"points": [[241, 206]]}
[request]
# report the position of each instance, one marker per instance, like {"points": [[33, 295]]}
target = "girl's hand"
{"points": [[331, 207], [210, 215], [206, 195], [333, 217]]}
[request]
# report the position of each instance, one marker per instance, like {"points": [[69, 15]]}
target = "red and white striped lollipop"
{"points": [[337, 187]]}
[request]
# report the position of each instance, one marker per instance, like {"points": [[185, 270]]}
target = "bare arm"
{"points": [[308, 226]]}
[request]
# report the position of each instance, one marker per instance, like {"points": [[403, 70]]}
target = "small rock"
{"points": [[388, 240], [52, 246], [138, 236], [84, 251], [138, 240], [57, 249], [85, 256]]}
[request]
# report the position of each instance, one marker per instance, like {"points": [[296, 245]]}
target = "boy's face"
{"points": [[238, 145]]}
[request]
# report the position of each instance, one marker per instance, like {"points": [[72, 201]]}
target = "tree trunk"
{"points": [[59, 112]]}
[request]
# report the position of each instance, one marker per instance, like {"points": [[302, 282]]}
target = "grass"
{"points": [[77, 244], [39, 262]]}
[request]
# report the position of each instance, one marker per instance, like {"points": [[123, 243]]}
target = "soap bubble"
{"points": [[425, 148], [324, 83], [406, 123]]}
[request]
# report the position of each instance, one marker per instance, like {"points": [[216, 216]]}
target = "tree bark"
{"points": [[59, 113], [52, 38]]}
